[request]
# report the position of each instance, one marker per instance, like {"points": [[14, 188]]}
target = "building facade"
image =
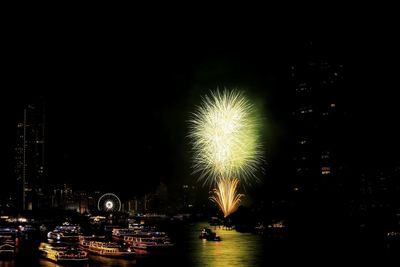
{"points": [[30, 169]]}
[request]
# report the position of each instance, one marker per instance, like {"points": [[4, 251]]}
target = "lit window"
{"points": [[333, 105], [304, 110], [302, 87], [325, 155], [302, 142], [326, 170]]}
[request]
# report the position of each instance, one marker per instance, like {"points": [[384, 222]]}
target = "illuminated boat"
{"points": [[7, 245], [148, 243], [110, 249], [84, 241], [209, 235], [143, 238], [7, 241], [120, 233], [65, 233], [63, 254]]}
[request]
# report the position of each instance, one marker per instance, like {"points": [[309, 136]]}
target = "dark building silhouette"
{"points": [[188, 197], [376, 198], [161, 198], [30, 156], [317, 130], [62, 196], [317, 121]]}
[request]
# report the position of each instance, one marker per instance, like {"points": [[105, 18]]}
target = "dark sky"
{"points": [[117, 101]]}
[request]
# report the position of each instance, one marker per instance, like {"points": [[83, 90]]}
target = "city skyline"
{"points": [[103, 145], [98, 134]]}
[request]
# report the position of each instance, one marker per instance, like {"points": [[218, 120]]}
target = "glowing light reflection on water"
{"points": [[235, 249]]}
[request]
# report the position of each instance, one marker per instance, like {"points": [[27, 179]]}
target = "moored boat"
{"points": [[148, 243], [120, 233], [65, 233], [208, 234], [84, 241], [7, 246], [7, 241], [63, 254], [110, 249]]}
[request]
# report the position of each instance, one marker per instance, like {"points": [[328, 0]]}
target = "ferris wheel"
{"points": [[109, 202]]}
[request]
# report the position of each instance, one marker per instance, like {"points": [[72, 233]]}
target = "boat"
{"points": [[120, 233], [63, 254], [276, 230], [8, 231], [144, 238], [148, 243], [110, 249], [260, 229], [7, 241], [7, 245], [84, 241], [208, 234], [28, 228], [65, 233], [393, 239]]}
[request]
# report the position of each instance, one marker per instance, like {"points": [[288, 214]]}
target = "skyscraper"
{"points": [[29, 156], [317, 113]]}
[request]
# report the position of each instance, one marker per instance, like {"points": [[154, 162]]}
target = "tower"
{"points": [[30, 156]]}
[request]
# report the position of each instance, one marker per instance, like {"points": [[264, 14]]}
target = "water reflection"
{"points": [[46, 263], [109, 262], [235, 249], [6, 263]]}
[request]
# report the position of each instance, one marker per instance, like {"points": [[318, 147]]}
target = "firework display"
{"points": [[226, 195], [224, 133]]}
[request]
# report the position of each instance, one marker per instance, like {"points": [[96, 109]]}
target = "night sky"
{"points": [[117, 101]]}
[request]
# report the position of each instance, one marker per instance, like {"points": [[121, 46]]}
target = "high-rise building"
{"points": [[188, 197], [29, 156], [68, 199], [378, 195], [317, 114]]}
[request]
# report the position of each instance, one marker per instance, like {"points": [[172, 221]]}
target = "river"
{"points": [[235, 249]]}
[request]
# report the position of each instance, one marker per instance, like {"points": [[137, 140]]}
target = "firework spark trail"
{"points": [[225, 137], [226, 196]]}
